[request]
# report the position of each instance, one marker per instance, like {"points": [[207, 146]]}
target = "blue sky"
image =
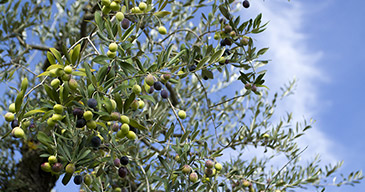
{"points": [[320, 43]]}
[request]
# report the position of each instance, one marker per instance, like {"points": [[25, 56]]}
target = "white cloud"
{"points": [[292, 57]]}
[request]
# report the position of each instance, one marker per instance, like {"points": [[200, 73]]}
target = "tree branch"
{"points": [[38, 47]]}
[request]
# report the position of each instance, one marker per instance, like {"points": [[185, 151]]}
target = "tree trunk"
{"points": [[29, 175]]}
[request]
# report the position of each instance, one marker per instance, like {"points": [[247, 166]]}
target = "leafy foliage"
{"points": [[204, 40]]}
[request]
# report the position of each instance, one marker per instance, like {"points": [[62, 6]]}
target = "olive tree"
{"points": [[121, 96]]}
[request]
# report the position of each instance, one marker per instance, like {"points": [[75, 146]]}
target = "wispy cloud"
{"points": [[292, 57]]}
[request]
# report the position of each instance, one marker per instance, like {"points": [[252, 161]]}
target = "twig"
{"points": [[211, 115], [38, 47], [207, 32], [208, 103], [87, 187], [249, 61], [227, 101], [267, 187], [101, 185], [87, 56], [92, 44], [144, 172], [55, 141], [22, 66], [177, 117], [149, 145], [17, 65], [35, 87], [77, 42], [179, 30]]}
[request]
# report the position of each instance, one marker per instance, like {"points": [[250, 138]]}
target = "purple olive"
{"points": [[78, 179], [95, 142], [78, 112], [92, 103], [80, 123], [164, 94], [192, 68], [14, 123], [57, 167], [246, 4], [124, 160], [122, 172], [157, 85], [117, 162], [125, 23], [151, 90]]}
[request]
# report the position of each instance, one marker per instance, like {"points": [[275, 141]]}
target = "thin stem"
{"points": [[101, 184], [144, 172], [208, 103], [150, 146], [249, 61], [177, 117], [77, 42], [87, 187], [17, 65], [179, 30], [55, 141], [227, 100], [267, 187], [30, 71], [35, 87], [38, 47], [92, 44]]}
